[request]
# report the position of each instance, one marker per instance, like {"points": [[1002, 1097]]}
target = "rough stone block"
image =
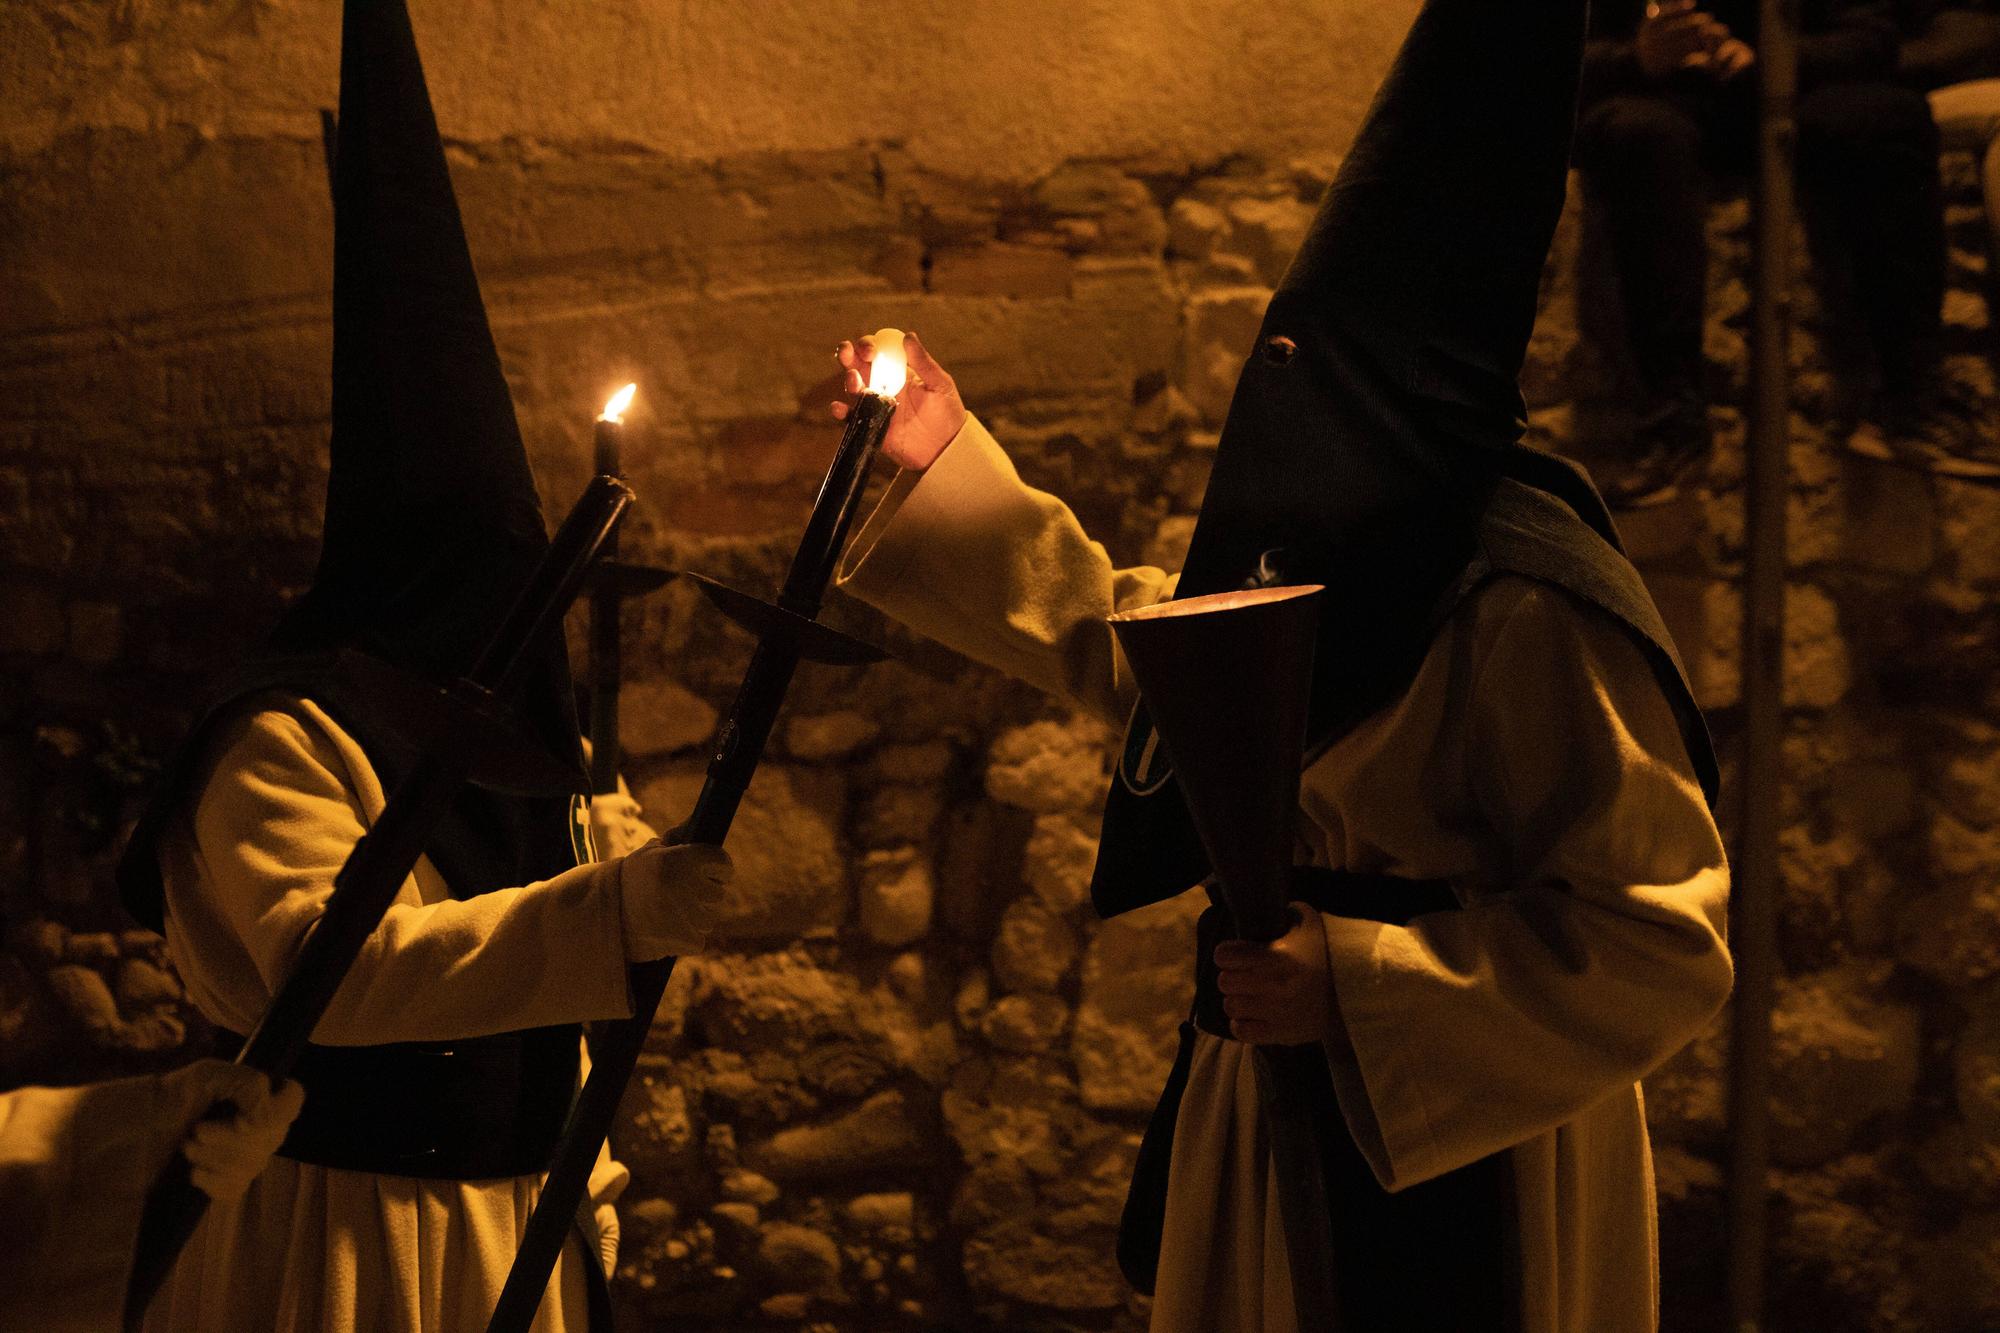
{"points": [[1058, 862], [1193, 228], [891, 1216], [897, 815], [1269, 230], [913, 764], [1840, 1060], [1138, 980], [1048, 766], [1085, 189], [142, 985], [791, 875], [1221, 333], [1020, 1261], [658, 1135], [823, 736], [887, 1132], [1035, 947], [779, 1001], [799, 1258], [999, 268], [1971, 531], [896, 896], [1978, 1072], [1025, 1023], [1817, 670], [658, 717]]}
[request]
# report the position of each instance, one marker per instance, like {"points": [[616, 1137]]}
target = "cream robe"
{"points": [[1535, 764], [247, 872]]}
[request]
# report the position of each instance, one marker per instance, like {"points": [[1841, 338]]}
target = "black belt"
{"points": [[1335, 892], [477, 1109]]}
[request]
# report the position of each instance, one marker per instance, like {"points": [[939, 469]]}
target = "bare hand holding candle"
{"points": [[929, 411]]}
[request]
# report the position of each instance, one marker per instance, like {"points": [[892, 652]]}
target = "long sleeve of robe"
{"points": [[75, 1164], [248, 871], [1533, 763]]}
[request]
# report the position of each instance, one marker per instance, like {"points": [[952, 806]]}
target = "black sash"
{"points": [[1439, 1255], [481, 1108]]}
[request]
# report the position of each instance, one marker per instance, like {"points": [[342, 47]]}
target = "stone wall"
{"points": [[906, 1088]]}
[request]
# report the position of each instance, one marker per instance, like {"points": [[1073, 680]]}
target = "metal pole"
{"points": [[1754, 898]]}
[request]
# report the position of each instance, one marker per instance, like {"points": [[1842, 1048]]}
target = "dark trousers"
{"points": [[1868, 192]]}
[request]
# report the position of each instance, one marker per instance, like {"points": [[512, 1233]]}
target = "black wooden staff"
{"points": [[787, 633], [382, 860]]}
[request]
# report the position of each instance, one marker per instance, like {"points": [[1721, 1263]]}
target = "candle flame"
{"points": [[888, 371], [614, 411]]}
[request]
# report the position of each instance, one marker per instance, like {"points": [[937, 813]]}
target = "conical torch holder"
{"points": [[1227, 679]]}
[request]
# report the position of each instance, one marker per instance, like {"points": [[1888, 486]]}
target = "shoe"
{"points": [[1921, 431]]}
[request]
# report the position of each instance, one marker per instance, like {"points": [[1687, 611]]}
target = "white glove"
{"points": [[616, 826], [230, 1151], [670, 897], [605, 1220]]}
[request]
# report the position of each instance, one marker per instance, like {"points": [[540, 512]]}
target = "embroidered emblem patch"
{"points": [[581, 841], [1143, 766]]}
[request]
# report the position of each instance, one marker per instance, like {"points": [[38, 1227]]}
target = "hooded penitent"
{"points": [[432, 529], [1373, 443]]}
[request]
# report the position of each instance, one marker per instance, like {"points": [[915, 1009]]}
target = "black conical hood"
{"points": [[1383, 396], [432, 519], [432, 523], [1380, 408], [422, 418]]}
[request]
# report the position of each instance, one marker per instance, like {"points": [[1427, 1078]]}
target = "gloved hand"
{"points": [[230, 1151], [615, 824], [669, 898]]}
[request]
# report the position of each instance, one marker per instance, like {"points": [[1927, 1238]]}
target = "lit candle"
{"points": [[605, 667], [611, 431]]}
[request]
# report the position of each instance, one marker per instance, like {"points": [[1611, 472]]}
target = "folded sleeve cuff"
{"points": [[921, 511], [1375, 1077]]}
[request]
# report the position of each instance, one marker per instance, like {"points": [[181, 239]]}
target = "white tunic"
{"points": [[247, 870]]}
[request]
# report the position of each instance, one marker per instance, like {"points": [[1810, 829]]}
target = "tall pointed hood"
{"points": [[432, 520], [1380, 412], [432, 525]]}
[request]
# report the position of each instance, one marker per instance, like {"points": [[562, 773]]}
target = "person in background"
{"points": [[1951, 53], [75, 1165], [1668, 106]]}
